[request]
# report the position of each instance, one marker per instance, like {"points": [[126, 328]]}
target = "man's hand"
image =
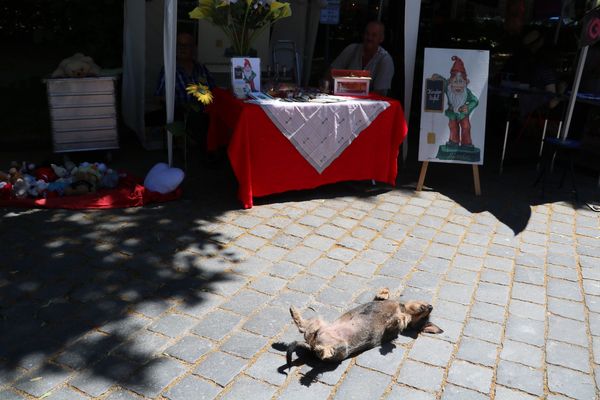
{"points": [[463, 109]]}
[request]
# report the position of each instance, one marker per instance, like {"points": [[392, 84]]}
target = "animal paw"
{"points": [[383, 294]]}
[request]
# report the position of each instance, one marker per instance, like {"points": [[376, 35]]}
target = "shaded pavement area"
{"points": [[190, 299]]}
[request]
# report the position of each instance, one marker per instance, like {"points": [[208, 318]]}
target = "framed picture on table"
{"points": [[245, 76]]}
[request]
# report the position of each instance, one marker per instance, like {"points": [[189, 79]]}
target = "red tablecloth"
{"points": [[265, 162]]}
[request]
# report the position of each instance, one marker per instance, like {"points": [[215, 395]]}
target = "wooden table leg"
{"points": [[476, 180], [422, 175]]}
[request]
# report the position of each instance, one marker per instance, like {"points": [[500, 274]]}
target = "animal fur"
{"points": [[364, 327]]}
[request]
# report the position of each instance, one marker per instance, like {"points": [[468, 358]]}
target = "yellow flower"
{"points": [[280, 10], [201, 92], [204, 10]]}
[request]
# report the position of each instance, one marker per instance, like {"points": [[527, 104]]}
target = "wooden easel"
{"points": [[475, 178]]}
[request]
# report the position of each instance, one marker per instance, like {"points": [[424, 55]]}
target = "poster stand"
{"points": [[476, 181]]}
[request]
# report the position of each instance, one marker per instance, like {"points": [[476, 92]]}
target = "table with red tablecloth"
{"points": [[265, 162]]}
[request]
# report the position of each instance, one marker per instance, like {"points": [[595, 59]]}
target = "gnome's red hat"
{"points": [[246, 63], [458, 66]]}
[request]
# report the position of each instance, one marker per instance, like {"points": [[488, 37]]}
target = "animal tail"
{"points": [[298, 320]]}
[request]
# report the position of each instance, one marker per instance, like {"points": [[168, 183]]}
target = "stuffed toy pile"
{"points": [[76, 66], [26, 180]]}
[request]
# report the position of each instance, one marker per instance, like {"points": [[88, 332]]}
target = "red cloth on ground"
{"points": [[265, 162], [129, 193]]}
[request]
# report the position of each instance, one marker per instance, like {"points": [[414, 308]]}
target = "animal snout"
{"points": [[429, 307]]}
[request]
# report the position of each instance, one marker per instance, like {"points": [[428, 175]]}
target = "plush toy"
{"points": [[60, 172], [46, 174], [4, 177], [76, 66], [110, 179], [84, 181]]}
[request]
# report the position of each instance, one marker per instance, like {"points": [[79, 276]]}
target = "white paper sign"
{"points": [[245, 76], [453, 107]]}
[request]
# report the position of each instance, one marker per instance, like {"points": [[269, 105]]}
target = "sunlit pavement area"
{"points": [[190, 299]]}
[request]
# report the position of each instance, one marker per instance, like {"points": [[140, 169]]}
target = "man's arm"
{"points": [[382, 81]]}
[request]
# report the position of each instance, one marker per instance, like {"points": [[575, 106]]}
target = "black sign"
{"points": [[434, 95], [590, 28]]}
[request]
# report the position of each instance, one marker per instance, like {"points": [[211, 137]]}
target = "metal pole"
{"points": [[580, 64]]}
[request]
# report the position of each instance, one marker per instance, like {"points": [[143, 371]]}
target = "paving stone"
{"points": [[154, 377], [217, 324], [251, 266], [326, 267], [374, 256], [87, 350], [566, 308], [452, 392], [268, 321], [424, 280], [244, 344], [456, 292], [433, 264], [192, 387], [307, 284], [268, 284], [530, 260], [567, 355], [484, 330], [522, 353], [459, 275], [362, 383], [271, 253], [567, 330], [590, 287], [285, 270], [495, 276], [472, 250], [571, 383], [145, 345], [477, 351], [508, 394], [126, 326], [385, 359], [520, 377], [287, 297], [347, 282], [245, 302], [492, 293], [441, 251], [451, 310], [468, 262], [327, 373], [563, 272], [499, 263], [10, 395], [488, 312], [421, 376], [471, 376], [525, 330], [527, 310], [335, 297], [529, 293], [173, 325], [593, 303], [299, 391], [98, 380], [286, 241], [297, 230], [331, 231], [189, 348], [452, 329], [312, 221], [404, 393], [220, 367], [564, 289], [361, 268], [266, 368], [431, 351], [342, 254], [352, 243], [246, 388], [534, 276], [63, 393]]}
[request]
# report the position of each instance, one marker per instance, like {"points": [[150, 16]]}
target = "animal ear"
{"points": [[430, 327]]}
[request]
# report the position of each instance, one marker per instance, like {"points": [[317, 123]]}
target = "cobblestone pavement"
{"points": [[189, 300]]}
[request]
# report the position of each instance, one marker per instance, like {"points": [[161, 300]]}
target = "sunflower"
{"points": [[201, 92]]}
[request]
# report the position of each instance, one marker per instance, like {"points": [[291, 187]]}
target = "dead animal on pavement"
{"points": [[362, 328]]}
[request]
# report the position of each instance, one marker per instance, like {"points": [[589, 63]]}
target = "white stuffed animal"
{"points": [[76, 66]]}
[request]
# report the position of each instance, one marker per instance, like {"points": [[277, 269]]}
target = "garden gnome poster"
{"points": [[454, 106]]}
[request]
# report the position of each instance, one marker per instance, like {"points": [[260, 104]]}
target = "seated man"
{"points": [[371, 56], [187, 71]]}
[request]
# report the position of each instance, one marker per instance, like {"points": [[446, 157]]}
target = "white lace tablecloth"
{"points": [[321, 132]]}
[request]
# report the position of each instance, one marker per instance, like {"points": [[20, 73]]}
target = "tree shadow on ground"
{"points": [[77, 287]]}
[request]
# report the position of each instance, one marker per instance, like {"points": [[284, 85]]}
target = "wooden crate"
{"points": [[83, 113]]}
